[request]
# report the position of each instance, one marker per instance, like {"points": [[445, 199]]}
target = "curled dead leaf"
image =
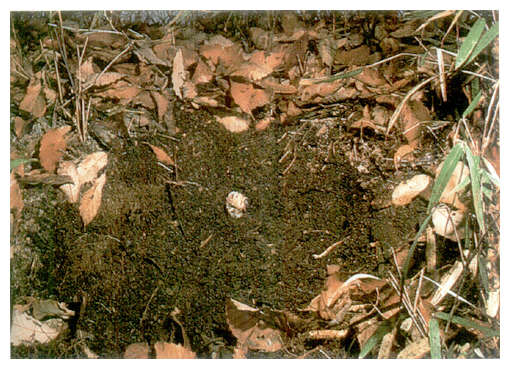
{"points": [[91, 201], [248, 97], [71, 190]]}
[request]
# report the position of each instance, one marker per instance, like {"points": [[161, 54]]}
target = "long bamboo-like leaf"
{"points": [[470, 42], [446, 172], [378, 335], [409, 256], [485, 40], [434, 339], [468, 324], [473, 105], [476, 187]]}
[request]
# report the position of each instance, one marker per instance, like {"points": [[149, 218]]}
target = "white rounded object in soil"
{"points": [[237, 204]]}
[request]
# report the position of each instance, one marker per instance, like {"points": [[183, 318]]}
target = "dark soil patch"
{"points": [[163, 239]]}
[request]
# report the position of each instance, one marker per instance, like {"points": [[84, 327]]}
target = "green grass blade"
{"points": [[473, 105], [409, 256], [470, 42], [489, 332], [17, 162], [484, 41], [446, 172], [434, 339], [350, 74], [476, 187], [378, 335]]}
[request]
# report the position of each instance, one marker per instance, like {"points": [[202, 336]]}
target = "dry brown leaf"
{"points": [[415, 350], [233, 123], [166, 350], [401, 152], [161, 102], [358, 56], [320, 89], [137, 351], [86, 71], [259, 37], [251, 71], [412, 115], [371, 77], [247, 97], [145, 99], [406, 191], [72, 190], [19, 123], [263, 123], [91, 165], [449, 223], [120, 90], [229, 56], [202, 74], [161, 155], [53, 146], [326, 51], [178, 73], [107, 78], [247, 325], [278, 87], [16, 197], [29, 101], [91, 201]]}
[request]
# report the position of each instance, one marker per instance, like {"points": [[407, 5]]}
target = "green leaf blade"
{"points": [[434, 339], [470, 42]]}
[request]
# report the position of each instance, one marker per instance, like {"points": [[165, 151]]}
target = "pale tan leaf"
{"points": [[108, 78], [178, 73], [449, 223], [86, 71], [27, 330], [91, 165], [233, 123], [202, 74], [53, 146], [165, 350], [72, 190], [252, 71], [137, 351], [91, 200], [326, 50], [406, 191]]}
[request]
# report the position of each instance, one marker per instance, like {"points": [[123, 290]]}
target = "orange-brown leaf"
{"points": [[161, 155], [165, 350], [247, 97], [53, 145]]}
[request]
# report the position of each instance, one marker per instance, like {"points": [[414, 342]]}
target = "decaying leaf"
{"points": [[16, 197], [411, 118], [178, 73], [448, 223], [33, 102], [248, 326], [53, 146], [91, 200], [137, 351], [165, 350], [248, 97], [234, 123], [27, 330], [91, 165], [401, 152], [161, 155], [406, 191]]}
